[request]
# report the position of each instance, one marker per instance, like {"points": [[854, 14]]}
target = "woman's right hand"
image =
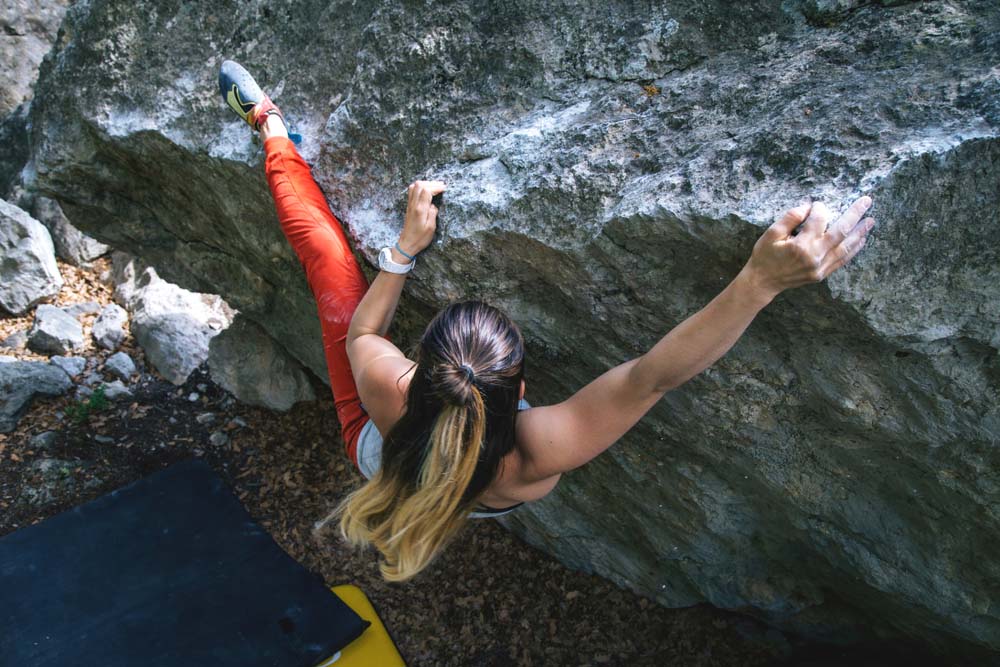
{"points": [[781, 261], [421, 216]]}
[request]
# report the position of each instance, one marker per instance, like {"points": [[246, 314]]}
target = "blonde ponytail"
{"points": [[410, 523]]}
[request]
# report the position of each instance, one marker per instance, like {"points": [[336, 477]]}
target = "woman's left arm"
{"points": [[561, 437]]}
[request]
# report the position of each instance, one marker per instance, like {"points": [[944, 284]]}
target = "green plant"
{"points": [[80, 411]]}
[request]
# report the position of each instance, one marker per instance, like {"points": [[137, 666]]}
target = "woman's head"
{"points": [[447, 448]]}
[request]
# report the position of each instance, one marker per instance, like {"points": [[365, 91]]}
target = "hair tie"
{"points": [[469, 373]]}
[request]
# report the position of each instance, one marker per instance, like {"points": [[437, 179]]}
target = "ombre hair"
{"points": [[448, 446]]}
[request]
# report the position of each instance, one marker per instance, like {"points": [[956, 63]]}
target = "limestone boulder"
{"points": [[252, 366], [28, 271], [609, 167], [172, 325]]}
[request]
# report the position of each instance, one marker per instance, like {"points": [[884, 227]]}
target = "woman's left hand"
{"points": [[421, 216]]}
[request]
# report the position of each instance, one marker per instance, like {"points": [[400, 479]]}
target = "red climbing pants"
{"points": [[333, 274]]}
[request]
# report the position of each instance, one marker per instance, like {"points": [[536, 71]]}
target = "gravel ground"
{"points": [[488, 600]]}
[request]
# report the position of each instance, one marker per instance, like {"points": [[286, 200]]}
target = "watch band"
{"points": [[385, 263]]}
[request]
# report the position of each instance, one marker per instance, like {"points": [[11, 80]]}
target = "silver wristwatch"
{"points": [[385, 262]]}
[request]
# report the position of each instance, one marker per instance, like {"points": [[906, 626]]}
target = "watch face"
{"points": [[386, 264]]}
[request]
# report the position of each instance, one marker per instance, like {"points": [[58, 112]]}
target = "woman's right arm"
{"points": [[561, 437], [377, 364]]}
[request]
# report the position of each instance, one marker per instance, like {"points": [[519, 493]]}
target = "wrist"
{"points": [[405, 250], [751, 287]]}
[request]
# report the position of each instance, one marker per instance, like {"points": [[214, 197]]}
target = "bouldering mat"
{"points": [[169, 571]]}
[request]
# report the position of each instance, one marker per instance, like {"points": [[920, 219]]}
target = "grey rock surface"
{"points": [[28, 271], [50, 478], [108, 328], [27, 30], [14, 148], [121, 365], [54, 331], [44, 440], [71, 244], [20, 382], [172, 325], [16, 340], [84, 308], [609, 167], [251, 365], [72, 366], [116, 390]]}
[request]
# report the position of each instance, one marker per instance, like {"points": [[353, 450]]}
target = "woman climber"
{"points": [[448, 436]]}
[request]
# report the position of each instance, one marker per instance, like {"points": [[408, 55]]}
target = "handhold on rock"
{"points": [[54, 332]]}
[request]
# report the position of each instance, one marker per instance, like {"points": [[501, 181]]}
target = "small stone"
{"points": [[115, 390], [205, 418], [104, 439], [193, 397], [202, 387], [108, 331], [92, 378], [172, 420], [72, 365], [54, 332], [83, 392], [43, 440], [239, 421], [16, 341], [218, 438], [121, 365], [85, 308]]}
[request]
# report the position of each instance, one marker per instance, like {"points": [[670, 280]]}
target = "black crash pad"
{"points": [[169, 571]]}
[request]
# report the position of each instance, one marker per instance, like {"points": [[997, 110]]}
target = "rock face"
{"points": [[27, 30], [28, 271], [21, 381], [609, 167], [173, 325], [248, 363], [71, 244]]}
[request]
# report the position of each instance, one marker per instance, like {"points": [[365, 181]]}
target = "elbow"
{"points": [[646, 381]]}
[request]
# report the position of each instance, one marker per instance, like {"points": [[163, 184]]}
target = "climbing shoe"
{"points": [[245, 97]]}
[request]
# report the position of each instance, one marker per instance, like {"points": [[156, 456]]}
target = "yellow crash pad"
{"points": [[374, 646]]}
